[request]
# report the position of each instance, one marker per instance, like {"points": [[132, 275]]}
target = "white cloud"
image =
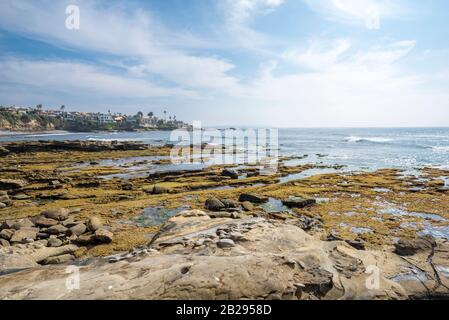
{"points": [[386, 55], [105, 30], [325, 55], [80, 79], [317, 57], [240, 11], [239, 15], [132, 35], [341, 88], [190, 71], [364, 12]]}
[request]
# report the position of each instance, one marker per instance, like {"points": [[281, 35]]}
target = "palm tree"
{"points": [[39, 107], [62, 108], [140, 115], [165, 116], [150, 114]]}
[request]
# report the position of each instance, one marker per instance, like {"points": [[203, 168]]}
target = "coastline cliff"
{"points": [[28, 123]]}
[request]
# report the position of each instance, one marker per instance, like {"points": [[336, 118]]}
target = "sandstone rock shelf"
{"points": [[197, 257]]}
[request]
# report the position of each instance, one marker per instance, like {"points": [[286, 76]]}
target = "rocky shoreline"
{"points": [[120, 209], [195, 256], [87, 146]]}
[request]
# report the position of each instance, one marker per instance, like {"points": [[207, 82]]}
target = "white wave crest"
{"points": [[354, 139], [108, 139], [441, 149]]}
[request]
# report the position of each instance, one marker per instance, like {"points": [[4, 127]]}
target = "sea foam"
{"points": [[354, 139], [441, 149]]}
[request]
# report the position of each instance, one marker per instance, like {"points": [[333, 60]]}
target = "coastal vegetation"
{"points": [[38, 119], [33, 119]]}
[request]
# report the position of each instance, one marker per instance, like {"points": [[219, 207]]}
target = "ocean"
{"points": [[355, 148]]}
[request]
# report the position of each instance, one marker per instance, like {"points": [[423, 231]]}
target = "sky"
{"points": [[282, 63]]}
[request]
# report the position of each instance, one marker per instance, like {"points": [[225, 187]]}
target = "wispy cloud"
{"points": [[349, 87], [386, 54], [239, 16], [318, 55], [325, 55], [133, 35], [77, 78], [368, 13], [241, 11]]}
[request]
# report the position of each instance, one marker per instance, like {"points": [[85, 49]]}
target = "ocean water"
{"points": [[358, 148]]}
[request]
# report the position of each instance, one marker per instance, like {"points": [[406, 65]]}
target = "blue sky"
{"points": [[287, 63]]}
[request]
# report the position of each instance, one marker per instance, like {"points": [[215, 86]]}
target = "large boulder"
{"points": [[247, 206], [253, 198], [60, 214], [230, 204], [54, 242], [231, 173], [298, 202], [57, 229], [8, 224], [104, 236], [8, 184], [86, 240], [7, 234], [24, 235], [77, 230], [94, 223], [45, 222], [225, 243], [410, 247], [157, 189], [23, 223], [214, 204]]}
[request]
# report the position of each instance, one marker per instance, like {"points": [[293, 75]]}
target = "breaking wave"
{"points": [[355, 139], [441, 149]]}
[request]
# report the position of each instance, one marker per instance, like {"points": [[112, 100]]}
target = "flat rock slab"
{"points": [[253, 198], [269, 260], [298, 203], [6, 184]]}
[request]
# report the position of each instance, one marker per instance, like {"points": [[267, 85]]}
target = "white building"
{"points": [[148, 122], [105, 118]]}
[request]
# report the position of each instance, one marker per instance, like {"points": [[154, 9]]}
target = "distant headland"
{"points": [[42, 119]]}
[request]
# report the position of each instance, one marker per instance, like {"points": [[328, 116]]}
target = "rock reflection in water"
{"points": [[155, 216]]}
